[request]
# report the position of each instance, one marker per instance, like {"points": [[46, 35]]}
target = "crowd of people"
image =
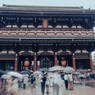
{"points": [[50, 83], [53, 82]]}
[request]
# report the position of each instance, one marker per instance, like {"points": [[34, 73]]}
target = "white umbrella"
{"points": [[69, 70], [37, 72], [44, 69], [56, 68], [24, 72], [76, 73], [6, 76], [82, 76], [15, 74]]}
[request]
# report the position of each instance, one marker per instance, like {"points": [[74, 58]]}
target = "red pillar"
{"points": [[55, 59], [91, 62], [35, 62], [74, 63], [16, 63]]}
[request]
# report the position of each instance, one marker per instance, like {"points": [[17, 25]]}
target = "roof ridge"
{"points": [[25, 6]]}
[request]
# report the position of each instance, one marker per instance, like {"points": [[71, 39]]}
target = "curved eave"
{"points": [[46, 14], [20, 11], [46, 37]]}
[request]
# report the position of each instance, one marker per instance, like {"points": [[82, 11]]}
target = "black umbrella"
{"points": [[2, 72]]}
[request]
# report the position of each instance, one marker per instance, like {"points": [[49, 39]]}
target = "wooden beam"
{"points": [[35, 62], [91, 62], [7, 58], [55, 59], [16, 63], [74, 63]]}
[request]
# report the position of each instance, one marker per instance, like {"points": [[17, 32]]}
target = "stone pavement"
{"points": [[78, 90]]}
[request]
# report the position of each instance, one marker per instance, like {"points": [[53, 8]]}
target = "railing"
{"points": [[45, 29], [49, 33]]}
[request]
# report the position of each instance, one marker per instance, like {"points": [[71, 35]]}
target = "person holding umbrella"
{"points": [[51, 84], [14, 86], [70, 81], [58, 84], [25, 81], [47, 83], [67, 77], [37, 83], [43, 83], [32, 78], [66, 80]]}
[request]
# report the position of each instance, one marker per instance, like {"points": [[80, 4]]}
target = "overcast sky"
{"points": [[84, 3]]}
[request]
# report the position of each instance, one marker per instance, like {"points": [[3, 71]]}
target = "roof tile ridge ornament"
{"points": [[36, 6]]}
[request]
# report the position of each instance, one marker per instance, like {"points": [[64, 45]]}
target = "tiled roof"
{"points": [[46, 37], [42, 8]]}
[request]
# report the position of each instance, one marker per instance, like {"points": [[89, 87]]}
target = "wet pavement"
{"points": [[78, 90], [87, 89], [90, 84]]}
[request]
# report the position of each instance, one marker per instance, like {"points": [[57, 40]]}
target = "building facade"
{"points": [[37, 37]]}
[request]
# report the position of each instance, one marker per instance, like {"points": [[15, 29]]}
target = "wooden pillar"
{"points": [[35, 62], [55, 59], [45, 23], [16, 63], [74, 63], [91, 62]]}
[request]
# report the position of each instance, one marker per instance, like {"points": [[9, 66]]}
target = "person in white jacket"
{"points": [[50, 76], [25, 81], [58, 84], [38, 84], [70, 81], [47, 84], [66, 80]]}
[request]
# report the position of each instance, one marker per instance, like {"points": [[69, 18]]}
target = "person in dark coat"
{"points": [[66, 80], [43, 83]]}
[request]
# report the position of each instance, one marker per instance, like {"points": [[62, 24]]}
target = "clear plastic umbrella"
{"points": [[76, 73], [56, 68], [37, 72], [24, 72], [44, 69], [82, 76], [6, 76], [69, 70], [15, 74]]}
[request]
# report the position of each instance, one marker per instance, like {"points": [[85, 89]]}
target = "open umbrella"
{"points": [[6, 76], [44, 69], [24, 72], [37, 72], [2, 72], [69, 70], [76, 73], [56, 68], [82, 76], [15, 74]]}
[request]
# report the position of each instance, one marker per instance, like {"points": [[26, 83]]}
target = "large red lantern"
{"points": [[63, 62], [26, 63]]}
